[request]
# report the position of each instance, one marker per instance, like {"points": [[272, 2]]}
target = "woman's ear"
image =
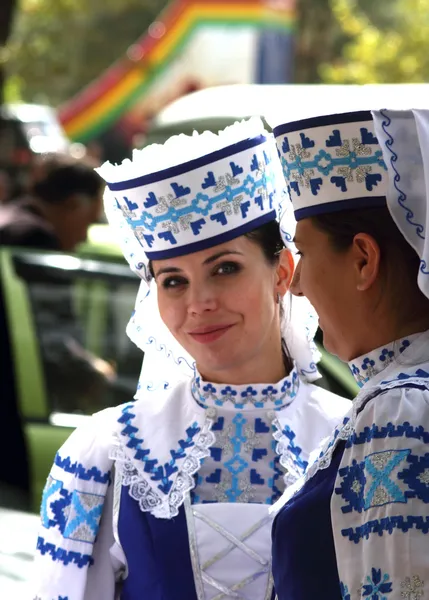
{"points": [[285, 270], [366, 257]]}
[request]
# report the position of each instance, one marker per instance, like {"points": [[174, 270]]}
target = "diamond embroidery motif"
{"points": [[412, 588], [236, 465]]}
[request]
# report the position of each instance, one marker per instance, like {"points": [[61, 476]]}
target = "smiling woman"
{"points": [[196, 464]]}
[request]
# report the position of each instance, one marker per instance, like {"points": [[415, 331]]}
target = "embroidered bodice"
{"points": [[365, 367], [243, 465]]}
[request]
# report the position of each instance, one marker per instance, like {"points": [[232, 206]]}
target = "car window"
{"points": [[80, 310]]}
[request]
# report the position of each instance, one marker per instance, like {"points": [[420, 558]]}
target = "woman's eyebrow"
{"points": [[168, 270], [219, 255], [208, 261]]}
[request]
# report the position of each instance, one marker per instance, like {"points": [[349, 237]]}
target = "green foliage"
{"points": [[396, 51], [60, 46]]}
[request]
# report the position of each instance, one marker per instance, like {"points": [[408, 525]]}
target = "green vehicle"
{"points": [[55, 308]]}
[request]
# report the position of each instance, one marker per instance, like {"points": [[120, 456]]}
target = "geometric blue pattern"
{"points": [[253, 397], [375, 586], [375, 432], [416, 477], [206, 198], [367, 366], [61, 555], [294, 449], [382, 489], [161, 473], [353, 162], [79, 471], [243, 442], [352, 486], [388, 525], [201, 205], [76, 514], [375, 481], [84, 517]]}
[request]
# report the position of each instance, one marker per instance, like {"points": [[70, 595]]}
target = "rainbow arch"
{"points": [[108, 98]]}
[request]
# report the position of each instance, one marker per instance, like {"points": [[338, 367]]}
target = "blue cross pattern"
{"points": [[202, 204], [380, 466], [84, 518]]}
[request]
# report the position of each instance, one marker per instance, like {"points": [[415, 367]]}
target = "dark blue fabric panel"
{"points": [[304, 561], [157, 552]]}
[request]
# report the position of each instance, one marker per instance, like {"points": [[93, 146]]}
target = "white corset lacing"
{"points": [[230, 550]]}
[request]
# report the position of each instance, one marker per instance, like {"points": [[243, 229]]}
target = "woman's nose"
{"points": [[201, 299]]}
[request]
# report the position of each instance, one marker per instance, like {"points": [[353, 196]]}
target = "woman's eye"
{"points": [[227, 268], [172, 283]]}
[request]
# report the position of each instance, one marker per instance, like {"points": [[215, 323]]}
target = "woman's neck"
{"points": [[263, 368]]}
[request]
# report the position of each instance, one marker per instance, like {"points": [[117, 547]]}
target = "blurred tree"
{"points": [[7, 10], [322, 34], [59, 46], [397, 52]]}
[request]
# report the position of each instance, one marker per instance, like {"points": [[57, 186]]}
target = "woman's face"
{"points": [[220, 305], [326, 277]]}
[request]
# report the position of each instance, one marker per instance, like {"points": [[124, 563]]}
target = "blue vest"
{"points": [[157, 553], [304, 560]]}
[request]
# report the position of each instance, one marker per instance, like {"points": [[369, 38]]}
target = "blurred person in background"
{"points": [[5, 187], [63, 201]]}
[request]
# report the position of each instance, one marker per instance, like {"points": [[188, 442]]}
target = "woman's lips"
{"points": [[206, 335]]}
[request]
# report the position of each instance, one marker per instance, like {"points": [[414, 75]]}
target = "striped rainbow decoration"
{"points": [[108, 98]]}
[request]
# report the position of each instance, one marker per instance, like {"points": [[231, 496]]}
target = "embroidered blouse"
{"points": [[380, 495], [175, 462], [243, 465]]}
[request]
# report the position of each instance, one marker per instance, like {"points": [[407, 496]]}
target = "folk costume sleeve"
{"points": [[380, 503], [73, 561]]}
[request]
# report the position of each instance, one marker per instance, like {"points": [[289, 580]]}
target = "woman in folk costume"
{"points": [[359, 186], [167, 497]]}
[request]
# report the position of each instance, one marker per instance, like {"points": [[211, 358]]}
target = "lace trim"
{"points": [[287, 460], [165, 506]]}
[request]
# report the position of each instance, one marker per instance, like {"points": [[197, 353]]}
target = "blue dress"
{"points": [[304, 561]]}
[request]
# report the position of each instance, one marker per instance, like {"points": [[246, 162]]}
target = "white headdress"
{"points": [[361, 160]]}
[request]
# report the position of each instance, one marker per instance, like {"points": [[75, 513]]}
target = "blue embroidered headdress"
{"points": [[332, 163], [189, 194], [200, 200]]}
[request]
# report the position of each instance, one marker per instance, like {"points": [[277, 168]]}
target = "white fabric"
{"points": [[244, 570], [404, 138], [85, 458]]}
